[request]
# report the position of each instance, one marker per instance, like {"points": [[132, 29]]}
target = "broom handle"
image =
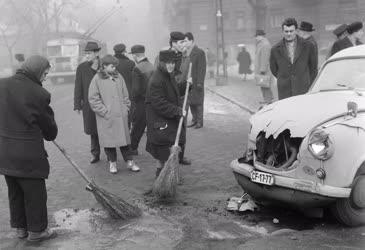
{"points": [[183, 108], [76, 167]]}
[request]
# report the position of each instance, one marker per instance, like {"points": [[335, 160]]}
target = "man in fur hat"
{"points": [[84, 74], [355, 32]]}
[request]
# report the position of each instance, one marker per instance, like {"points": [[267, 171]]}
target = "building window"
{"points": [[276, 21]]}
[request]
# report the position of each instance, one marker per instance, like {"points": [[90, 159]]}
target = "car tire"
{"points": [[351, 211]]}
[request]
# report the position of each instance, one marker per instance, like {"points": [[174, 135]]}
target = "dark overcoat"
{"points": [[163, 112], [198, 70], [293, 78], [125, 68], [244, 60], [315, 44], [25, 120], [84, 75], [342, 44]]}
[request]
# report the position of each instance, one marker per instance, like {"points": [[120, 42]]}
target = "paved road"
{"points": [[196, 220]]}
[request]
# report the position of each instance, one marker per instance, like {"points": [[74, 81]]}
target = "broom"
{"points": [[116, 206], [165, 184]]}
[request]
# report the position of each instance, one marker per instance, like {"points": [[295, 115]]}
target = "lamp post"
{"points": [[221, 78]]}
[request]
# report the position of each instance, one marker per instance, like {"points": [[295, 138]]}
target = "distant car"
{"points": [[308, 151]]}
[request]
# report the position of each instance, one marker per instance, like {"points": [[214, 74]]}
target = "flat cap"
{"points": [[260, 33], [340, 30], [177, 36], [137, 49], [354, 27], [120, 47]]}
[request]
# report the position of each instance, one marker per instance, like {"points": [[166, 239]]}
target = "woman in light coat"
{"points": [[108, 98]]}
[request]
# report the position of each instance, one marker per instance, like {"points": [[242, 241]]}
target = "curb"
{"points": [[244, 107]]}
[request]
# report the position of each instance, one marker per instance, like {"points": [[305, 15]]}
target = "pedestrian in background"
{"points": [[26, 119], [84, 74], [340, 32], [293, 62], [125, 68], [305, 31], [244, 62], [355, 32], [108, 98], [263, 74], [210, 62], [141, 75], [164, 109], [198, 71], [19, 60]]}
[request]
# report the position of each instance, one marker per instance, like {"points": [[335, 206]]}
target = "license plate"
{"points": [[262, 178]]}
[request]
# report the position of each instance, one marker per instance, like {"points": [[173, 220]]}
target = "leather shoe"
{"points": [[21, 233], [198, 125], [40, 236], [191, 125], [185, 161], [95, 159]]}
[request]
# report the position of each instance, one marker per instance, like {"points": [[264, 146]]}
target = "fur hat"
{"points": [[354, 27], [109, 59], [176, 36], [137, 49], [167, 56]]}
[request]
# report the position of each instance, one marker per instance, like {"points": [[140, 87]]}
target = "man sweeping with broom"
{"points": [[164, 109]]}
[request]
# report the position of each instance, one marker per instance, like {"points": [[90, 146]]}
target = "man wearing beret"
{"points": [[84, 74], [141, 75], [355, 32]]}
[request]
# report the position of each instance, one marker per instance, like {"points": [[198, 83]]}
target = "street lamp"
{"points": [[221, 54]]}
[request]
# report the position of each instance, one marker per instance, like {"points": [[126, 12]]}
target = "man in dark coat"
{"points": [[305, 31], [163, 109], [355, 32], [140, 78], [293, 62], [340, 32], [198, 70], [125, 68], [25, 120], [84, 74], [244, 62]]}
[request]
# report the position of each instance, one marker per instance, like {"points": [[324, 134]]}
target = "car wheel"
{"points": [[351, 211]]}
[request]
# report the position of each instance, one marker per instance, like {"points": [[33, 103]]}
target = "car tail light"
{"points": [[320, 145]]}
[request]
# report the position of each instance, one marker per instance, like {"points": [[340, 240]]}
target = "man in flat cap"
{"points": [[355, 32], [305, 31], [84, 74], [141, 75], [263, 74], [125, 68]]}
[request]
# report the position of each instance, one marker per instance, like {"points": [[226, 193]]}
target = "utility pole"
{"points": [[221, 78]]}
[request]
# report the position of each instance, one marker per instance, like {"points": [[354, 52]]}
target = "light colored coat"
{"points": [[109, 100], [262, 56]]}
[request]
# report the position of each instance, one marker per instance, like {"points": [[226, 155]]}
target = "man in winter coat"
{"points": [[305, 31], [164, 109], [293, 62], [26, 119], [244, 62], [125, 66], [140, 78], [340, 32], [198, 71], [355, 32], [84, 74], [262, 66]]}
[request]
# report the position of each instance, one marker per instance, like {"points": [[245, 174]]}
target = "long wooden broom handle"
{"points": [[76, 167], [183, 108]]}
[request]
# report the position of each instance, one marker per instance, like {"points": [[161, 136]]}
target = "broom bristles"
{"points": [[116, 206], [165, 184]]}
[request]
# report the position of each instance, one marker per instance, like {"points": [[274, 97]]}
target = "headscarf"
{"points": [[34, 67]]}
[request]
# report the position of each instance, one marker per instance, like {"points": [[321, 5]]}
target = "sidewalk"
{"points": [[243, 93]]}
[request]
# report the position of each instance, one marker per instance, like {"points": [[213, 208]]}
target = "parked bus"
{"points": [[65, 54]]}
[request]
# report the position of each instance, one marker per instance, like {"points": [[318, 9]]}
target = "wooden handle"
{"points": [[76, 167], [183, 108]]}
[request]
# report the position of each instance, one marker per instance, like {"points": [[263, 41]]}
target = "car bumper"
{"points": [[286, 189]]}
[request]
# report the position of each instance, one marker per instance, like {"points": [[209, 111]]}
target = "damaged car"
{"points": [[308, 151]]}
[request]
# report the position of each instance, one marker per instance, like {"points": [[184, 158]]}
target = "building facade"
{"points": [[242, 17]]}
